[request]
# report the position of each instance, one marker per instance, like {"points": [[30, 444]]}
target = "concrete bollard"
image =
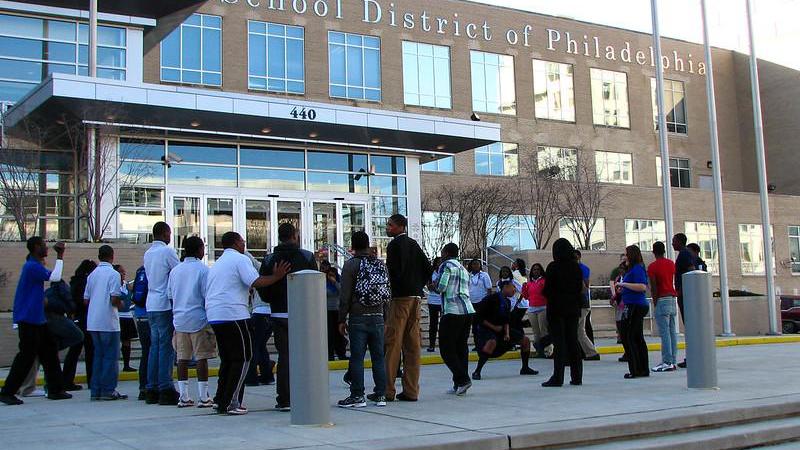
{"points": [[308, 349], [701, 350]]}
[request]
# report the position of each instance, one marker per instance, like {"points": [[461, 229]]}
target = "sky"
{"points": [[777, 34]]}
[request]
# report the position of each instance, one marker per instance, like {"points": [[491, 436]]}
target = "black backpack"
{"points": [[372, 283]]}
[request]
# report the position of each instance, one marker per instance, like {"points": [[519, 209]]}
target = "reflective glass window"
{"points": [[493, 88], [276, 59], [354, 65], [345, 162], [426, 75], [192, 53], [610, 98], [444, 165], [272, 179], [202, 153], [674, 106], [499, 159], [202, 175], [395, 165], [612, 167], [560, 163], [266, 157], [553, 91]]}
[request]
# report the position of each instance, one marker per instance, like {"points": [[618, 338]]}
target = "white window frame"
{"points": [[202, 70], [670, 88], [509, 151], [435, 166], [644, 233], [347, 48], [504, 61], [754, 234], [614, 111], [604, 167], [412, 57], [266, 76], [598, 231], [562, 86], [698, 232], [674, 164]]}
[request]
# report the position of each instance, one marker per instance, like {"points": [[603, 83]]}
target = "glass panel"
{"points": [[324, 220], [345, 162], [21, 70], [23, 26], [277, 57], [395, 165], [272, 179], [147, 150], [220, 220], [388, 185], [171, 50], [265, 157], [337, 182], [257, 227], [353, 219], [190, 48], [289, 212], [203, 153], [141, 173], [202, 175], [186, 212], [212, 60], [13, 91], [141, 197]]}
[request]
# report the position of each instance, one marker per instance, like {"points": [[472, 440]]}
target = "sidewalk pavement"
{"points": [[502, 404]]}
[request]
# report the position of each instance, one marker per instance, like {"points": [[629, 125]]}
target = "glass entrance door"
{"points": [[333, 224], [325, 230], [204, 216], [258, 227], [185, 220], [219, 220]]}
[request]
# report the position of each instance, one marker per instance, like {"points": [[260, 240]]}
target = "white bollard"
{"points": [[308, 349], [701, 350]]}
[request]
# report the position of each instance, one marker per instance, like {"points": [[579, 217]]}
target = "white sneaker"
{"points": [[35, 393], [663, 368], [237, 411], [185, 403], [462, 390], [207, 403], [452, 390]]}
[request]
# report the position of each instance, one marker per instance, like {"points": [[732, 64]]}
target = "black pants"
{"points": [[262, 331], [633, 339], [433, 325], [235, 345], [337, 344], [35, 340], [280, 328], [589, 328], [143, 329], [566, 350], [453, 346], [74, 353], [680, 307]]}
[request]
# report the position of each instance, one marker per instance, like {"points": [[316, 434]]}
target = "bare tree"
{"points": [[438, 227], [541, 184], [483, 211], [582, 201]]}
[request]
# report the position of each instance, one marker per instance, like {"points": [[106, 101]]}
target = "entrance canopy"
{"points": [[224, 115]]}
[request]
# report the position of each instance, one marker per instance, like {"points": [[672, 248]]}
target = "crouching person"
{"points": [[363, 295]]}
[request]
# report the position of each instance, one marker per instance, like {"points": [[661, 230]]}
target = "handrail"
{"points": [[500, 253], [338, 250]]}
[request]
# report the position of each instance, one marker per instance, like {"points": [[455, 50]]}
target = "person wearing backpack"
{"points": [[363, 295], [142, 326]]}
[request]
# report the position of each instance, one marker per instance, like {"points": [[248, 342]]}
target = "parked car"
{"points": [[790, 313]]}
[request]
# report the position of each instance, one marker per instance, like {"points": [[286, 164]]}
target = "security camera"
{"points": [[475, 117], [771, 188]]}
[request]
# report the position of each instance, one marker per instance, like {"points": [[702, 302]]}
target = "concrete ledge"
{"points": [[472, 440]]}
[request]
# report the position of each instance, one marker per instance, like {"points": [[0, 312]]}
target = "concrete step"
{"points": [[739, 436]]}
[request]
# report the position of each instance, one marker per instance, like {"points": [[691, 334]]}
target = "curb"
{"points": [[435, 359]]}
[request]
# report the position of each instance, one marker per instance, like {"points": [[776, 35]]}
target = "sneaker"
{"points": [[671, 368], [168, 397], [347, 379], [130, 369], [353, 402], [476, 375], [236, 411], [151, 397], [185, 403], [142, 395], [283, 408], [404, 398], [73, 387], [114, 396], [34, 393], [682, 365], [659, 368], [207, 403], [379, 400], [528, 371], [10, 400], [63, 395], [452, 390], [462, 390], [430, 350]]}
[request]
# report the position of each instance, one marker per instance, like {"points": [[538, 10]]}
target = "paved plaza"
{"points": [[503, 408]]}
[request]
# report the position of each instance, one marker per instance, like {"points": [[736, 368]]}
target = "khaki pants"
{"points": [[538, 322], [583, 338], [403, 334]]}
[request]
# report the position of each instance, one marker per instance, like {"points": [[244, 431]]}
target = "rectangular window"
{"points": [[644, 233], [438, 229], [192, 53], [553, 92], [674, 106], [275, 57], [444, 165], [704, 234], [31, 49], [573, 230], [141, 188], [794, 248], [751, 247], [610, 98], [680, 172], [560, 163], [493, 83], [426, 75], [500, 159], [354, 62], [516, 232], [614, 167]]}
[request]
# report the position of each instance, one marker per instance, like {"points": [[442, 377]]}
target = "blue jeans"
{"points": [[105, 370], [366, 331], [665, 312], [162, 355]]}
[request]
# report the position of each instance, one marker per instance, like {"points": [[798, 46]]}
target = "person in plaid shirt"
{"points": [[456, 319]]}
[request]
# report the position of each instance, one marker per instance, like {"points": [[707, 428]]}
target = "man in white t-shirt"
{"points": [[480, 286], [227, 292], [104, 296], [159, 260], [193, 335]]}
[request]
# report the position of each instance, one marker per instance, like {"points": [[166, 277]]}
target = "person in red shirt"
{"points": [[537, 309], [662, 275]]}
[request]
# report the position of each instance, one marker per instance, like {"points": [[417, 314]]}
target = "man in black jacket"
{"points": [[409, 271], [288, 249]]}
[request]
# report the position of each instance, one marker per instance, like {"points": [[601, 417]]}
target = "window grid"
{"points": [[431, 57], [369, 93], [516, 233], [493, 88], [214, 76], [560, 162], [674, 105], [644, 233], [704, 234], [74, 65], [614, 167], [794, 249], [499, 159], [553, 91], [597, 238], [286, 80], [680, 172], [443, 165], [610, 98]]}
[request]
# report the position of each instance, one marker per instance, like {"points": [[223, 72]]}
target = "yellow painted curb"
{"points": [[435, 359]]}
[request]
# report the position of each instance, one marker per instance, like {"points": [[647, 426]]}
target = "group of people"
{"points": [[187, 312]]}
